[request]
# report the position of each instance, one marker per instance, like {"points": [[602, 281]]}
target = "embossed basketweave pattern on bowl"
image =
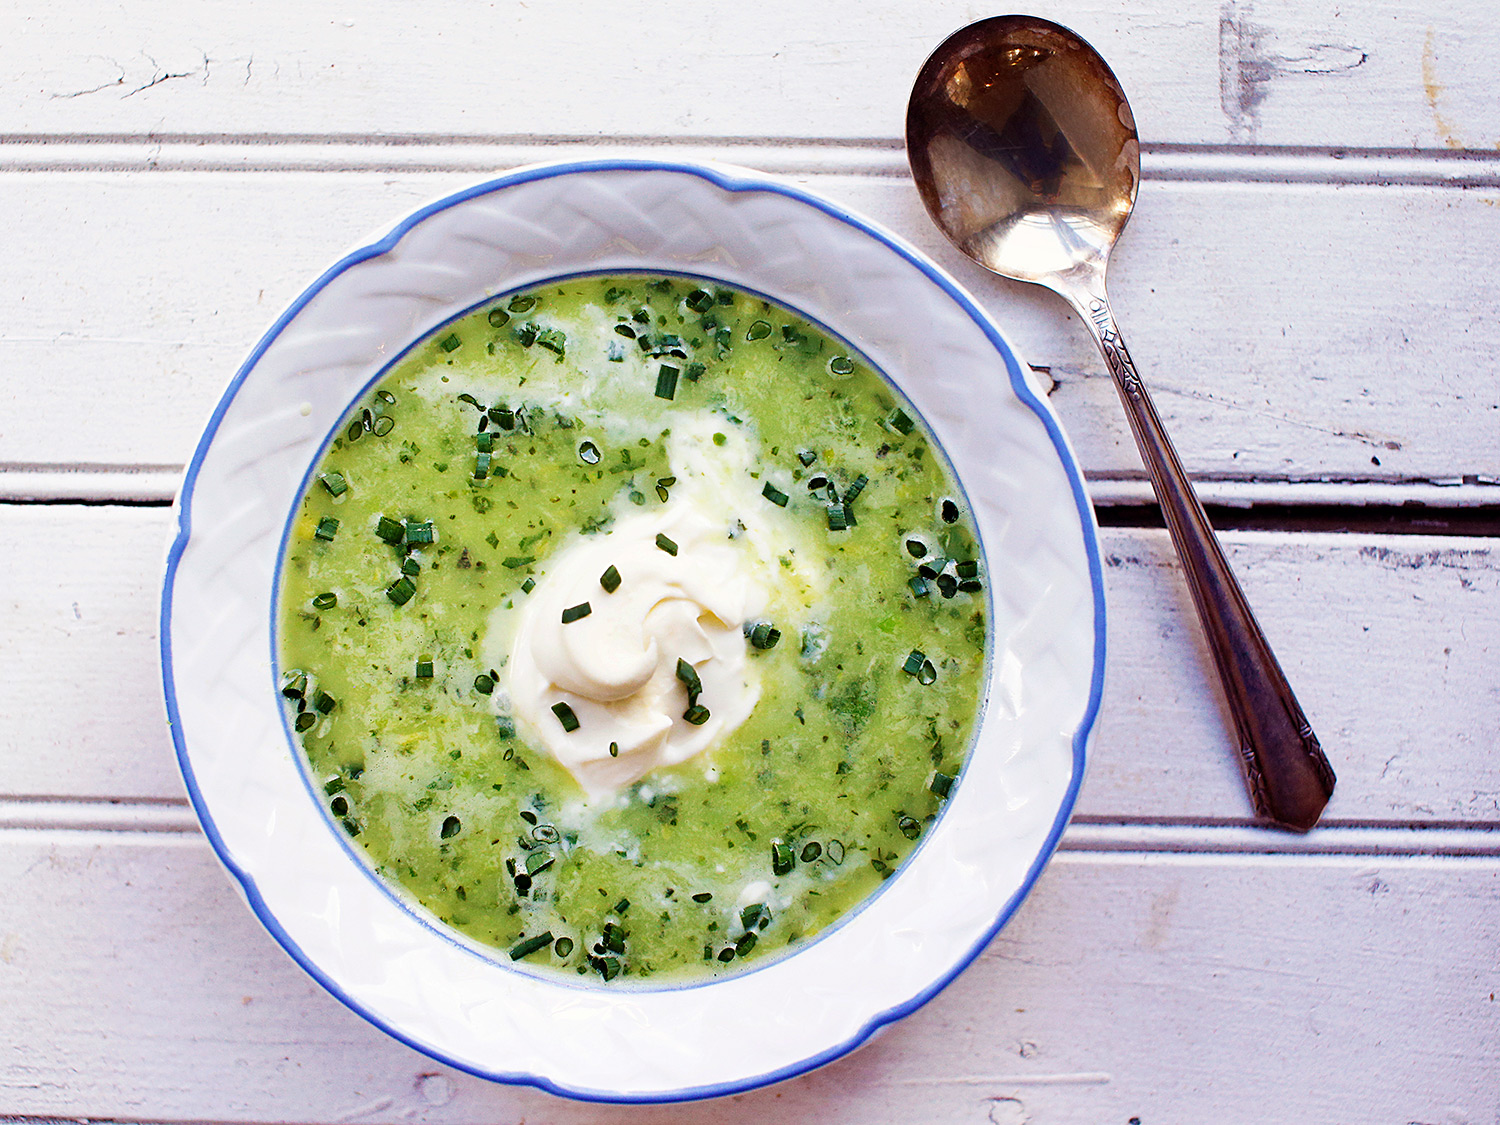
{"points": [[398, 966]]}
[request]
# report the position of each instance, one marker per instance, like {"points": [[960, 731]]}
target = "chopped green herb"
{"points": [[564, 946], [697, 714], [764, 635], [666, 544], [916, 548], [451, 825], [703, 896], [914, 662], [294, 684], [774, 494], [576, 612], [841, 365], [811, 851], [450, 342], [689, 676], [781, 858], [401, 590], [498, 317], [484, 441], [324, 703], [967, 569], [305, 721], [325, 600], [384, 424], [899, 421], [758, 331], [949, 511], [419, 534], [424, 667], [610, 580], [522, 304], [941, 784], [411, 567], [328, 527], [533, 944], [482, 465], [920, 587], [806, 456], [909, 827], [855, 488], [840, 518], [483, 684], [565, 716], [528, 586], [614, 749], [389, 530], [335, 483], [588, 453], [666, 381], [693, 372], [515, 562]]}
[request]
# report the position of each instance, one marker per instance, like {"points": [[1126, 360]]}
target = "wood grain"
{"points": [[1390, 642], [1259, 990], [1383, 74], [1289, 332]]}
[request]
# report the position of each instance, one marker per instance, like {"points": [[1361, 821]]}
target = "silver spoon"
{"points": [[1025, 153]]}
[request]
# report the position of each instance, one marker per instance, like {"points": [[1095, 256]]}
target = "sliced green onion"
{"points": [[610, 579], [755, 914], [726, 954], [703, 896], [354, 432], [484, 441], [498, 317], [971, 585], [700, 300], [384, 424], [811, 851], [758, 331], [502, 416], [764, 635], [666, 381], [565, 716], [774, 494], [899, 421], [294, 684], [916, 548], [855, 488], [909, 827], [450, 342], [451, 826], [470, 399], [576, 613], [389, 530], [564, 946], [532, 944], [537, 862], [588, 453], [420, 533], [335, 483], [528, 586], [689, 676], [515, 562], [693, 372], [482, 465], [305, 721], [947, 585], [411, 567], [401, 590], [522, 304], [806, 456], [745, 943], [666, 544], [424, 667], [325, 600], [914, 662], [839, 517], [484, 684], [554, 340], [613, 937], [928, 673], [697, 714], [781, 858], [941, 784], [625, 330], [949, 511], [614, 749], [932, 567], [545, 834], [967, 569], [920, 587], [328, 527], [841, 365], [324, 702]]}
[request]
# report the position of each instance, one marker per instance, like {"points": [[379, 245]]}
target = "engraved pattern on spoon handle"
{"points": [[1289, 778]]}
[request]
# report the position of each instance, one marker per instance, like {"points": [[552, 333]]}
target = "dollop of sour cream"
{"points": [[617, 667]]}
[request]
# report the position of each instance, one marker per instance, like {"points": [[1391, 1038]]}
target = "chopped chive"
{"points": [[384, 424], [521, 304], [484, 441], [839, 517], [450, 342], [693, 372], [899, 421], [781, 858], [703, 896], [389, 530], [609, 967], [774, 494], [726, 954], [564, 946], [502, 416], [626, 331], [621, 906], [335, 483], [612, 937], [537, 862], [811, 851], [971, 585], [576, 613], [554, 340], [697, 714], [909, 827], [515, 562], [949, 511], [610, 579], [841, 365], [401, 590], [325, 600], [333, 785], [806, 456], [294, 685], [745, 943], [967, 569], [588, 453], [451, 826], [470, 399], [498, 317], [755, 915], [420, 533], [928, 673], [758, 331], [528, 586], [933, 566], [324, 703], [505, 727], [614, 749], [689, 676], [482, 465], [354, 432], [666, 544], [700, 300], [533, 944], [920, 587], [545, 834], [666, 381], [941, 784], [305, 721], [565, 716], [764, 635], [947, 585], [855, 488], [328, 527], [916, 548], [410, 566], [424, 667], [484, 684], [914, 662]]}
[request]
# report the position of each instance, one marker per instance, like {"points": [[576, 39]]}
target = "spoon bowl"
{"points": [[1025, 153]]}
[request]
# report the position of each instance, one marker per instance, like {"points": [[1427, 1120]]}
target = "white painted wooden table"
{"points": [[1308, 283]]}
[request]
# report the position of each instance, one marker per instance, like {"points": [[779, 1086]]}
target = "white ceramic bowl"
{"points": [[398, 966]]}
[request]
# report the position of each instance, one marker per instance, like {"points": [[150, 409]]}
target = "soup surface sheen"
{"points": [[781, 731]]}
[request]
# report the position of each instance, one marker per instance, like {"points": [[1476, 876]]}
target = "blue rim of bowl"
{"points": [[403, 899], [730, 182]]}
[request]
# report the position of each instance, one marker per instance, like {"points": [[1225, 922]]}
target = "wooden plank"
{"points": [[1390, 642], [1298, 332], [134, 985], [1285, 72]]}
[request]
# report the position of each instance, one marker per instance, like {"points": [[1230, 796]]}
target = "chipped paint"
{"points": [[1433, 89], [1249, 62]]}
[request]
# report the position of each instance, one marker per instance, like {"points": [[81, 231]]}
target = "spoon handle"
{"points": [[1289, 779]]}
